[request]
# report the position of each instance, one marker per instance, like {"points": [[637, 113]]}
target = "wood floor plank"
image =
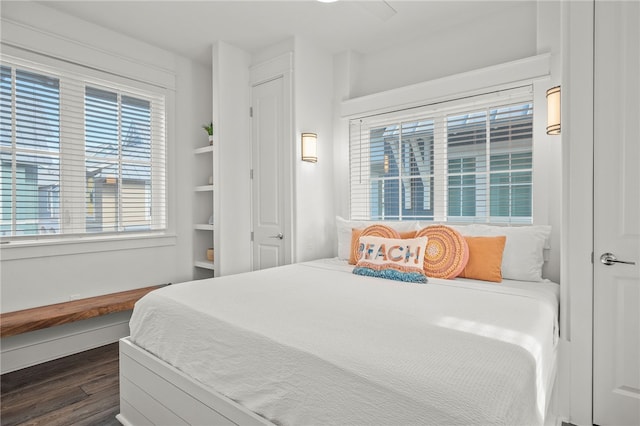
{"points": [[95, 409], [58, 369], [82, 389], [101, 419], [24, 407], [107, 378], [76, 376]]}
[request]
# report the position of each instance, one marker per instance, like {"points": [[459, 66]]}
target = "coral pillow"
{"points": [[447, 252], [392, 258], [485, 258], [373, 230], [406, 235]]}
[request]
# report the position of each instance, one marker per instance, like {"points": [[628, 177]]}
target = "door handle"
{"points": [[279, 236], [609, 259]]}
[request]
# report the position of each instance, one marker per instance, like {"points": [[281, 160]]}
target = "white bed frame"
{"points": [[153, 392]]}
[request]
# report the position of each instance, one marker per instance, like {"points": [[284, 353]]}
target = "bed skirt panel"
{"points": [[153, 392]]}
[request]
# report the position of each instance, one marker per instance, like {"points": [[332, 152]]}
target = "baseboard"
{"points": [[36, 347]]}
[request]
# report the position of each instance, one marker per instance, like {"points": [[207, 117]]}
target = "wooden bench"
{"points": [[17, 322]]}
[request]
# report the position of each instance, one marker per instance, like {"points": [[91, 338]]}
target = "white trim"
{"points": [[282, 67], [273, 68], [497, 77], [36, 347], [78, 75], [66, 69], [577, 206], [438, 114], [154, 392], [16, 250], [47, 43]]}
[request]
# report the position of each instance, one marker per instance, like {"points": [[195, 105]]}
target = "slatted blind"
{"points": [[79, 155], [466, 160]]}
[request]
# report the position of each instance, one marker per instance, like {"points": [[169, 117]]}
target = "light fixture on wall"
{"points": [[553, 111], [309, 147]]}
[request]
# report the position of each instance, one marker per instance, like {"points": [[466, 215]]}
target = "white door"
{"points": [[268, 177], [616, 328]]}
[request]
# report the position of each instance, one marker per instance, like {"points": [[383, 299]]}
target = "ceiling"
{"points": [[190, 27]]}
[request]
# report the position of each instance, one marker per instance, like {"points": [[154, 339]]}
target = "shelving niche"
{"points": [[204, 203]]}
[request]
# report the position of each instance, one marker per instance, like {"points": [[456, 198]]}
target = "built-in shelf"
{"points": [[204, 149], [203, 227], [206, 161], [204, 188], [205, 264]]}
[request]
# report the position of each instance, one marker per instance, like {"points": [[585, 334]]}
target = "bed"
{"points": [[312, 343]]}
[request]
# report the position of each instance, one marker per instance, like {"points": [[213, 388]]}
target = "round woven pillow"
{"points": [[374, 231], [447, 251]]}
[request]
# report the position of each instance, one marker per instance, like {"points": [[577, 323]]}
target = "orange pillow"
{"points": [[447, 252], [407, 235], [485, 258], [355, 240]]}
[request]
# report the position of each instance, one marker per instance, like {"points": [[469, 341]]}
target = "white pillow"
{"points": [[460, 228], [344, 227], [523, 254]]}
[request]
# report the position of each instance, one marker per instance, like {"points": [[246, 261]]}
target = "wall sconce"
{"points": [[309, 147], [553, 111]]}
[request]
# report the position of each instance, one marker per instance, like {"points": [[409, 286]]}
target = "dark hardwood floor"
{"points": [[80, 389]]}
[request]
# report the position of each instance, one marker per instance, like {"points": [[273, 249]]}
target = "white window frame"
{"points": [[533, 70], [360, 208], [61, 244]]}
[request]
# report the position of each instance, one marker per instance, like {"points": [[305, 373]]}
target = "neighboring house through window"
{"points": [[458, 161], [78, 155]]}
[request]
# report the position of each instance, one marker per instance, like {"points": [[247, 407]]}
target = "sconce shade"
{"points": [[309, 147], [553, 111]]}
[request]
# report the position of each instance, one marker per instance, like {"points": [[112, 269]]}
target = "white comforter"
{"points": [[312, 343]]}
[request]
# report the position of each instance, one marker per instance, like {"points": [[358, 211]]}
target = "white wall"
{"points": [[313, 103], [53, 274], [231, 117], [313, 207], [577, 206], [274, 51], [548, 151], [479, 44], [472, 43]]}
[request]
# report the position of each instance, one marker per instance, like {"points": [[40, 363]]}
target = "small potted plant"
{"points": [[209, 129]]}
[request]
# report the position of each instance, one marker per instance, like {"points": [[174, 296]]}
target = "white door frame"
{"points": [[577, 209], [281, 67], [577, 274], [616, 387]]}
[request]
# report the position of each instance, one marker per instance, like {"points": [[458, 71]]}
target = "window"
{"points": [[118, 161], [448, 162], [78, 155]]}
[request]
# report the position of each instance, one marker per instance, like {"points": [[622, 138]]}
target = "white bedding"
{"points": [[312, 343]]}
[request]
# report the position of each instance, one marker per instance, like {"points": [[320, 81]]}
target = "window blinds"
{"points": [[468, 160], [78, 156]]}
